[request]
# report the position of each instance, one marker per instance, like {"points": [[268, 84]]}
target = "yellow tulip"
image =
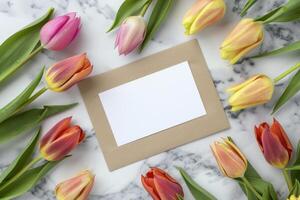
{"points": [[293, 197], [202, 14], [254, 91], [247, 35]]}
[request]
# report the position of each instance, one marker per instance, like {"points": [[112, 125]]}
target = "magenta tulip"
{"points": [[59, 32], [131, 34]]}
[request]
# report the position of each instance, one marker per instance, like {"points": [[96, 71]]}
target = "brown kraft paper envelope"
{"points": [[118, 156]]}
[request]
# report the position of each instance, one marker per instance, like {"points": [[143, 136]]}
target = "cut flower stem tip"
{"points": [[287, 72]]}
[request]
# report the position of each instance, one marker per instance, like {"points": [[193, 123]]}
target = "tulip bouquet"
{"points": [[275, 147], [248, 34], [134, 31], [54, 35], [25, 172]]}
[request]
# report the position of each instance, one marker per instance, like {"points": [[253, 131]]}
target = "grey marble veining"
{"points": [[196, 158]]}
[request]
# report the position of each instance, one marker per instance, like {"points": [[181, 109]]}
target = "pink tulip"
{"points": [[131, 34], [59, 32]]}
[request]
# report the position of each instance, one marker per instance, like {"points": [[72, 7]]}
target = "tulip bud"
{"points": [[247, 35], [78, 187], [230, 159], [59, 32], [254, 91], [293, 197], [274, 144], [68, 72], [161, 186], [131, 34], [60, 140], [202, 14]]}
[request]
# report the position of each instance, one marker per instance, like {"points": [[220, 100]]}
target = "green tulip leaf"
{"points": [[17, 103], [23, 159], [25, 182], [289, 48], [28, 120], [159, 14], [295, 168], [287, 12], [290, 91], [197, 191], [15, 51], [128, 8], [247, 6]]}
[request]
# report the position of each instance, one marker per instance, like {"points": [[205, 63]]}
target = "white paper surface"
{"points": [[152, 103]]}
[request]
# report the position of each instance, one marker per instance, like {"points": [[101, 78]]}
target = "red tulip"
{"points": [[274, 144], [60, 140], [161, 186]]}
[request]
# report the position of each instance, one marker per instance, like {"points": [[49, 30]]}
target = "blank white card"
{"points": [[152, 103]]}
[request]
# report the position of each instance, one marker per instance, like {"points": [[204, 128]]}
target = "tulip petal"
{"points": [[51, 28], [75, 78], [148, 184], [277, 130], [56, 131], [63, 145], [167, 190], [65, 36], [273, 150]]}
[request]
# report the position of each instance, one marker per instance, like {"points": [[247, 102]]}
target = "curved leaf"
{"points": [[15, 50], [295, 173], [290, 91], [27, 120], [128, 8], [28, 180], [197, 191], [23, 159], [16, 103], [159, 14]]}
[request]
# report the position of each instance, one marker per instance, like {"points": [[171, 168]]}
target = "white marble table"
{"points": [[196, 158]]}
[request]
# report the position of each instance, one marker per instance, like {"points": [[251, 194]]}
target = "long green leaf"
{"points": [[289, 48], [247, 6], [15, 50], [28, 120], [128, 8], [159, 14], [295, 174], [290, 91], [295, 190], [287, 12], [28, 180], [23, 159], [197, 191], [17, 102]]}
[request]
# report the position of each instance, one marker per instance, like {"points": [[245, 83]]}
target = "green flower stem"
{"points": [[248, 184], [288, 179], [27, 167], [287, 72], [145, 8]]}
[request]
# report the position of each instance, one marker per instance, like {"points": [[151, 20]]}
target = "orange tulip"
{"points": [[161, 186], [68, 72], [60, 140], [76, 188], [230, 159], [274, 144], [252, 92], [247, 35]]}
